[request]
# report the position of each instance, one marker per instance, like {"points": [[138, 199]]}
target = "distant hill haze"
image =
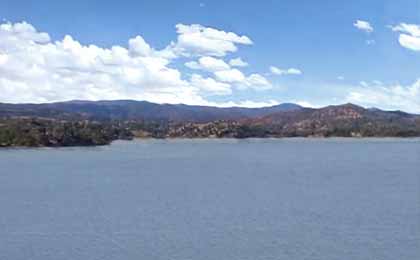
{"points": [[138, 110]]}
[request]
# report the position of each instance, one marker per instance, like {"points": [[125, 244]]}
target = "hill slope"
{"points": [[343, 120]]}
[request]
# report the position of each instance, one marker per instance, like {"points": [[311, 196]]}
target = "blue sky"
{"points": [[338, 62]]}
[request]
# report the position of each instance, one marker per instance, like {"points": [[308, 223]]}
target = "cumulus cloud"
{"points": [[210, 86], [409, 35], [138, 46], [258, 82], [237, 78], [231, 76], [237, 62], [225, 74], [23, 31], [38, 70], [33, 68], [393, 97], [363, 26], [197, 40], [291, 71], [208, 64]]}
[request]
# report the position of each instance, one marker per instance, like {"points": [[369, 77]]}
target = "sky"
{"points": [[220, 53]]}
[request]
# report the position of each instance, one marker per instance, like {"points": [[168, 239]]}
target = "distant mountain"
{"points": [[137, 110]]}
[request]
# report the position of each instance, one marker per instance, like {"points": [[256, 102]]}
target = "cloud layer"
{"points": [[33, 68]]}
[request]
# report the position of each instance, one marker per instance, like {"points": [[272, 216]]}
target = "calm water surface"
{"points": [[298, 199]]}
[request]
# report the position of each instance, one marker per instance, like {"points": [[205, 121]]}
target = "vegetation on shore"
{"points": [[38, 132]]}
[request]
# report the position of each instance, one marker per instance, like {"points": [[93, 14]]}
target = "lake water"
{"points": [[297, 199]]}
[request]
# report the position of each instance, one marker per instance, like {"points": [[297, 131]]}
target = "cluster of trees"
{"points": [[33, 132]]}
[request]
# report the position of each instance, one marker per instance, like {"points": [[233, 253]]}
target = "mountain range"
{"points": [[101, 122], [137, 110]]}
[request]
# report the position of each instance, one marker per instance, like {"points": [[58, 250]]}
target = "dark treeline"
{"points": [[34, 132]]}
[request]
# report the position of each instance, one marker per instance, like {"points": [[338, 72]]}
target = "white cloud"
{"points": [[24, 31], [276, 70], [197, 40], [224, 73], [412, 29], [258, 82], [409, 35], [238, 62], [410, 42], [138, 46], [38, 70], [237, 78], [208, 64], [210, 85], [35, 69], [340, 78], [291, 71], [363, 26], [231, 76], [394, 97], [192, 65], [3, 58]]}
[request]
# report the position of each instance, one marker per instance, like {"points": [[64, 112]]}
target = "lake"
{"points": [[225, 199]]}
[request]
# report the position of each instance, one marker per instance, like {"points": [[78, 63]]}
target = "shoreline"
{"points": [[170, 139]]}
